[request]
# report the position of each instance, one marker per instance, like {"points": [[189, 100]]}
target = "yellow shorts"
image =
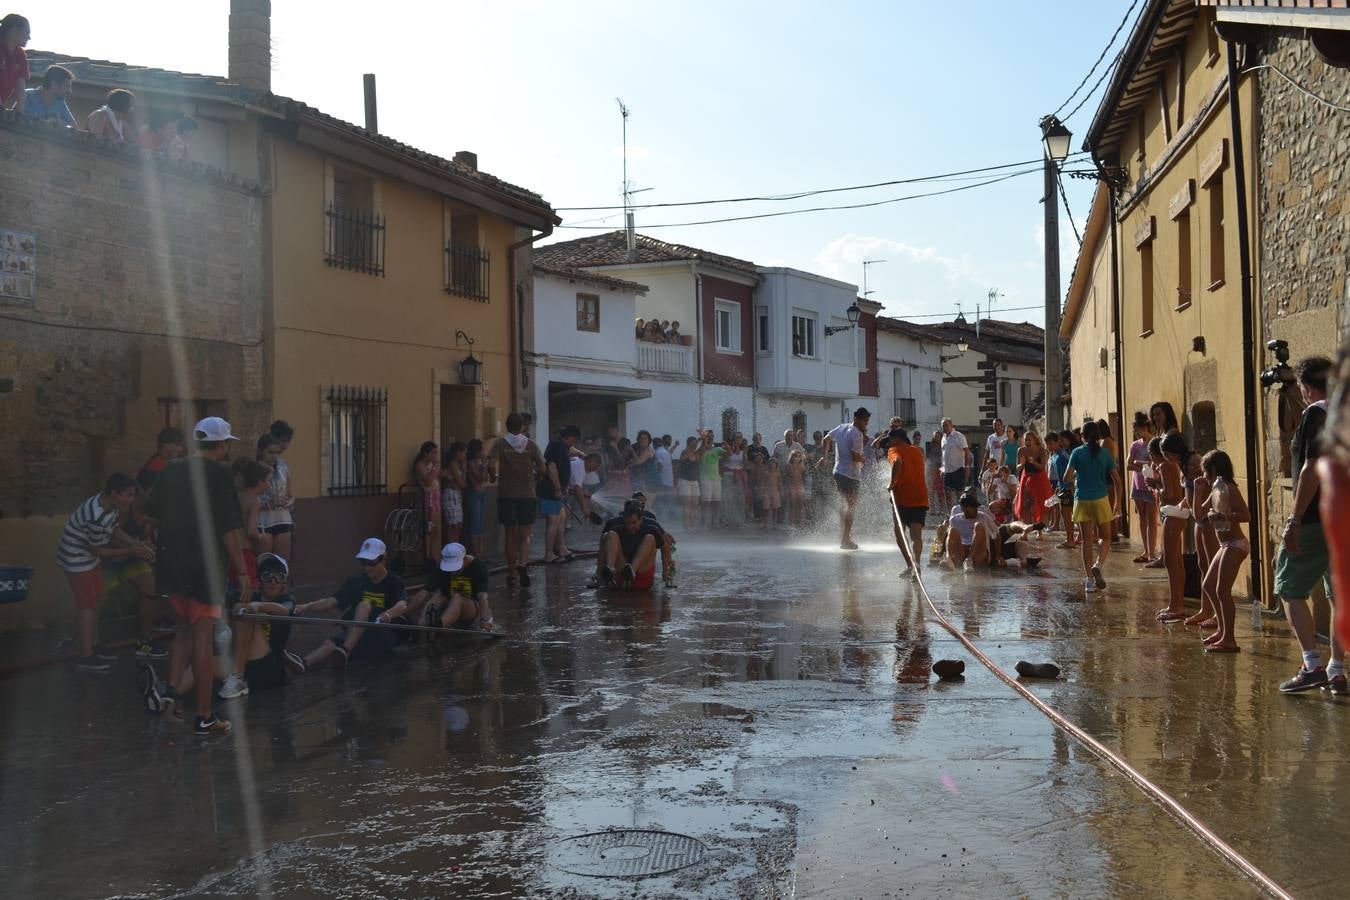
{"points": [[1098, 511]]}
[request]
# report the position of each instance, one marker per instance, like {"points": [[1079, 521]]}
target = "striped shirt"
{"points": [[90, 525]]}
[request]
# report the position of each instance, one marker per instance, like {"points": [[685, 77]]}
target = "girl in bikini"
{"points": [[1233, 545], [1167, 480]]}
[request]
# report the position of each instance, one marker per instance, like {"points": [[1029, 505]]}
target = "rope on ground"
{"points": [[1156, 793]]}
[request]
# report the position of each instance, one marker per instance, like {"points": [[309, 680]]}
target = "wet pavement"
{"points": [[777, 708]]}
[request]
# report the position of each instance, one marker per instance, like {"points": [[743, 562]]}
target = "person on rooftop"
{"points": [[14, 34], [114, 120], [48, 102]]}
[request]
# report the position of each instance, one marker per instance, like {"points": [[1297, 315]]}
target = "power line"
{"points": [[1324, 101], [795, 212], [1105, 72], [1105, 50], [943, 315], [1065, 197], [800, 194]]}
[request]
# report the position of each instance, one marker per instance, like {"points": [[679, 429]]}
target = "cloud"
{"points": [[843, 258]]}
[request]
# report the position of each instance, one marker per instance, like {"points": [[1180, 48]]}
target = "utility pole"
{"points": [[1052, 128], [628, 225]]}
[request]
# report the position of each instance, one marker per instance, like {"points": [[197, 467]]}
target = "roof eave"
{"points": [[1136, 48]]}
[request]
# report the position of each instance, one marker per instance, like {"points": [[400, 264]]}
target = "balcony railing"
{"points": [[355, 240], [469, 267], [665, 359], [906, 409]]}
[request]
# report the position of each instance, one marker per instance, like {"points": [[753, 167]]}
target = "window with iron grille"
{"points": [[468, 267], [358, 440], [731, 422], [905, 409], [355, 240]]}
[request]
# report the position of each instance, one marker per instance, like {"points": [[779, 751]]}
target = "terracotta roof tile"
{"points": [[589, 277], [611, 249]]}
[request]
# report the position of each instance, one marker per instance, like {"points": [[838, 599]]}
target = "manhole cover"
{"points": [[627, 853]]}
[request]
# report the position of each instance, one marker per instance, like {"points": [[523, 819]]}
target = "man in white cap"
{"points": [[196, 507], [375, 595], [455, 594]]}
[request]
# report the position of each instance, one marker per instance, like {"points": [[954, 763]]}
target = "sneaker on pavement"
{"points": [[1337, 685], [524, 575], [234, 686], [1089, 585], [103, 651], [147, 650], [1305, 680], [669, 579], [149, 682], [212, 726], [1097, 574], [294, 661], [605, 576], [94, 665], [847, 545]]}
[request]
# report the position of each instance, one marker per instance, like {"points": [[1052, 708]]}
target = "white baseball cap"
{"points": [[213, 428], [452, 557], [371, 549]]}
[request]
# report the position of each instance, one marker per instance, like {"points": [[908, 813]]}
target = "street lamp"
{"points": [[470, 368], [1055, 139], [853, 313], [961, 347]]}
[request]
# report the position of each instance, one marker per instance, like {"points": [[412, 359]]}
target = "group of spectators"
{"points": [[658, 331], [166, 131]]}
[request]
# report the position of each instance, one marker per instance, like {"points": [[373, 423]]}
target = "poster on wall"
{"points": [[18, 264]]}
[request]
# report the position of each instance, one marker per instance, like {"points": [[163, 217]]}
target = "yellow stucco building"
{"points": [[362, 274], [1164, 126]]}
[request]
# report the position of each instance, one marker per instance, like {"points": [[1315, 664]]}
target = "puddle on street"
{"points": [[777, 707]]}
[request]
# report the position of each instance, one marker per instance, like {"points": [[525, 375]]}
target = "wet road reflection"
{"points": [[777, 706]]}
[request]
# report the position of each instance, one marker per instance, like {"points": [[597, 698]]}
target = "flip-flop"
{"points": [[1141, 558], [1167, 618], [1215, 648], [1210, 623]]}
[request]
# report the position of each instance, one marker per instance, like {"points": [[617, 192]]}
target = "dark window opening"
{"points": [[358, 440]]}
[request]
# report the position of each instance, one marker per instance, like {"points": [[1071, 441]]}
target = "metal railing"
{"points": [[665, 359], [906, 409], [358, 440], [468, 268], [355, 241]]}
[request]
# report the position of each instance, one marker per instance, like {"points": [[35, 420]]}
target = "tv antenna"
{"points": [[866, 263]]}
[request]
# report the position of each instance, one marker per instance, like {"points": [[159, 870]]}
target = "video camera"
{"points": [[1281, 372]]}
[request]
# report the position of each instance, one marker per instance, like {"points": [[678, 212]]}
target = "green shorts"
{"points": [[1296, 574]]}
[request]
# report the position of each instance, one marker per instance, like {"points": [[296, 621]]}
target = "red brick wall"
{"points": [[720, 367]]}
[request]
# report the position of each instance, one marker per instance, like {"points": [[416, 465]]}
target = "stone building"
{"points": [[129, 252]]}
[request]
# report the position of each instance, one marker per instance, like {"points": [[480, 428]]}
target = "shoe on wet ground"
{"points": [[234, 686], [1037, 670], [668, 579], [102, 651], [626, 576], [949, 668], [1097, 574], [605, 577], [93, 665], [1089, 585], [210, 727], [150, 693], [294, 661], [1305, 680], [524, 576], [147, 650], [1337, 685], [847, 545]]}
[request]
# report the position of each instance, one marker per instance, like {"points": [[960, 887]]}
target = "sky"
{"points": [[726, 99]]}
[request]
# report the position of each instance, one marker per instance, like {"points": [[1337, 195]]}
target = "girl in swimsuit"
{"points": [[1233, 546], [1167, 480]]}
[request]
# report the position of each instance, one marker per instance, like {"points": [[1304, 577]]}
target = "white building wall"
{"points": [[713, 399], [1016, 375], [774, 412], [906, 368], [833, 370], [555, 321], [672, 409]]}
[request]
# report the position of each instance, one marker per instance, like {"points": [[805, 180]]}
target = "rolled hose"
{"points": [[1157, 794]]}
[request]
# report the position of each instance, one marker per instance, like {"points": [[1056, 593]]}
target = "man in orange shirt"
{"points": [[909, 489]]}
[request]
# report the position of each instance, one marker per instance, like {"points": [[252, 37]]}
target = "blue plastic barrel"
{"points": [[14, 583]]}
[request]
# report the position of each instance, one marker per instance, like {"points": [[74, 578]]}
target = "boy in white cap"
{"points": [[455, 594], [377, 595], [196, 507]]}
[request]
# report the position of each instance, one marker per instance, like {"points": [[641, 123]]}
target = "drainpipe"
{"points": [[1118, 318], [520, 379], [1250, 395]]}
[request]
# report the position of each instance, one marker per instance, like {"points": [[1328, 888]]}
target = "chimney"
{"points": [[467, 158], [251, 44], [372, 115]]}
